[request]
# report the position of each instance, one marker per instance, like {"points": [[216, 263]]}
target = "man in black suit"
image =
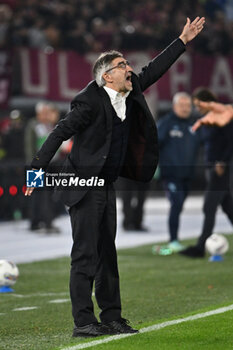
{"points": [[114, 135]]}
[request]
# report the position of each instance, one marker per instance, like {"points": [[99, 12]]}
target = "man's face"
{"points": [[119, 78], [201, 110], [42, 115], [183, 107]]}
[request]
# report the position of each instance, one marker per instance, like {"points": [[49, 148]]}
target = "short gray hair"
{"points": [[102, 64], [178, 95], [40, 105]]}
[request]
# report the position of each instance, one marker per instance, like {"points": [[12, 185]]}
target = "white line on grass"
{"points": [[38, 295], [59, 301], [151, 328], [26, 308]]}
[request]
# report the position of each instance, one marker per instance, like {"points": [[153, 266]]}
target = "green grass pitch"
{"points": [[154, 289]]}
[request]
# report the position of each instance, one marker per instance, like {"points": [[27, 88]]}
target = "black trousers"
{"points": [[94, 258], [176, 191], [217, 193], [42, 208], [133, 197]]}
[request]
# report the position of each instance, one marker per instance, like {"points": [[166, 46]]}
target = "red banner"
{"points": [[5, 78], [60, 75]]}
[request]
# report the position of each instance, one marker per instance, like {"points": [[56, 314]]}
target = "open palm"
{"points": [[192, 29]]}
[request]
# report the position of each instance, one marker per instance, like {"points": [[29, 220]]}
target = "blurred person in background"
{"points": [[6, 17], [218, 153], [57, 206], [38, 128], [178, 146], [133, 194], [114, 135], [14, 137], [12, 166]]}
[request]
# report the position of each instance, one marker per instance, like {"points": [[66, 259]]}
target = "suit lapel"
{"points": [[107, 108]]}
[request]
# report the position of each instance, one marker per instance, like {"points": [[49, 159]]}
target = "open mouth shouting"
{"points": [[128, 80]]}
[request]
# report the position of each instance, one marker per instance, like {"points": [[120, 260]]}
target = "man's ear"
{"points": [[107, 77]]}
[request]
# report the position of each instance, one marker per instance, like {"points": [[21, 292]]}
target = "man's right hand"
{"points": [[29, 191]]}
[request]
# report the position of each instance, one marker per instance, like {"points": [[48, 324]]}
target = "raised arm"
{"points": [[161, 63], [192, 29]]}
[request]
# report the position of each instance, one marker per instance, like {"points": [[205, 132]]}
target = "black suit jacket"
{"points": [[90, 123]]}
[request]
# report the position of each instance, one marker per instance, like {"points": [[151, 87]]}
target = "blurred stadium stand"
{"points": [[47, 49]]}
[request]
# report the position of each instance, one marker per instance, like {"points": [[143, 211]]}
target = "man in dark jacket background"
{"points": [[114, 135], [218, 154], [178, 151]]}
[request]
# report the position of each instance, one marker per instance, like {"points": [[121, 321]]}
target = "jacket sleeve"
{"points": [[78, 119], [160, 64]]}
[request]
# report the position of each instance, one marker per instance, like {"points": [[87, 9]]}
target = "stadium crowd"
{"points": [[88, 25]]}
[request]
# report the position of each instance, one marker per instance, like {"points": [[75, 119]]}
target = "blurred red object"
{"points": [[13, 190]]}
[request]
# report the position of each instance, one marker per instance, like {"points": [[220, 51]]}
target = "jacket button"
{"points": [[104, 157]]}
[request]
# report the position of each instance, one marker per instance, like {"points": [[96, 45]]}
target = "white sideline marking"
{"points": [[58, 301], [151, 328], [39, 295], [26, 308]]}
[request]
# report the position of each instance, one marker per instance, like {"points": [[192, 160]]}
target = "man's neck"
{"points": [[115, 89]]}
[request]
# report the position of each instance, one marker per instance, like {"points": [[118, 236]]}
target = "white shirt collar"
{"points": [[118, 102], [113, 94]]}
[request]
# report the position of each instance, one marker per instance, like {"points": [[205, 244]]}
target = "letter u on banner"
{"points": [[28, 67]]}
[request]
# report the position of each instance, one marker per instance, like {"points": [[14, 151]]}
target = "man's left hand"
{"points": [[192, 29]]}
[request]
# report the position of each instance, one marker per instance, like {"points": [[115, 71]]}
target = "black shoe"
{"points": [[136, 228], [129, 227], [193, 252], [52, 229], [120, 326], [35, 227], [141, 229], [90, 330]]}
